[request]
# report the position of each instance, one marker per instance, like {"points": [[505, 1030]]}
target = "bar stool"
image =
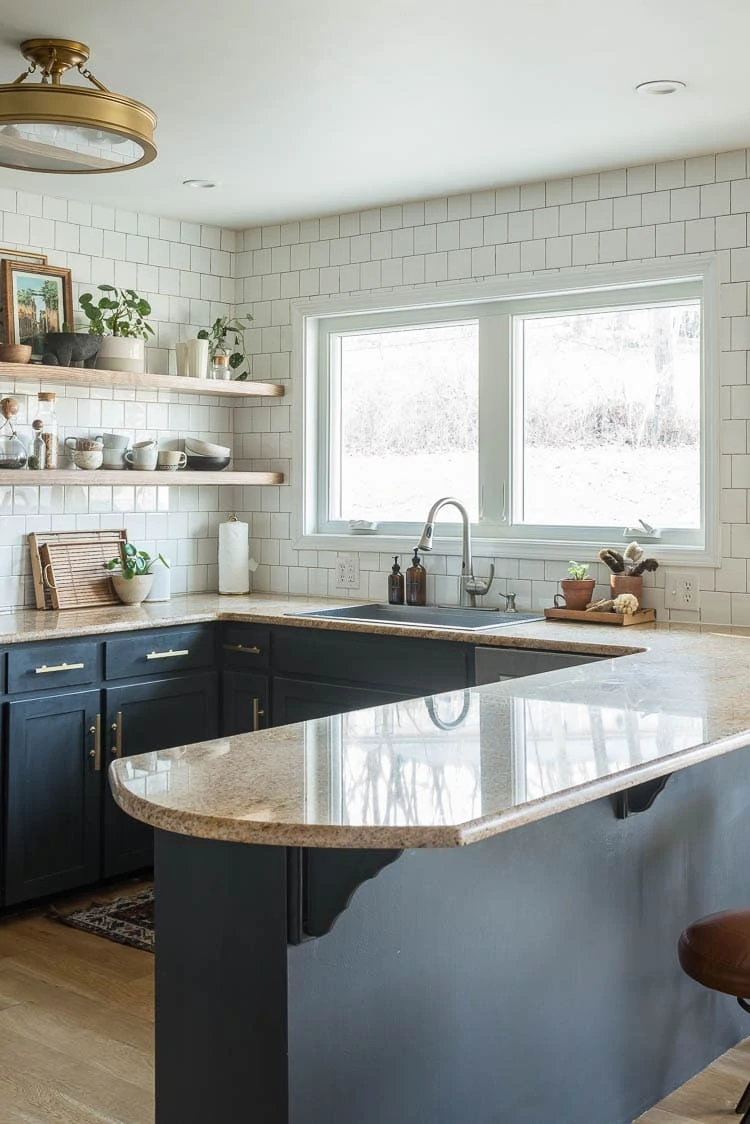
{"points": [[715, 951]]}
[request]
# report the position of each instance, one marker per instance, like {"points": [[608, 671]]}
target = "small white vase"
{"points": [[161, 590], [197, 359], [122, 353], [132, 591]]}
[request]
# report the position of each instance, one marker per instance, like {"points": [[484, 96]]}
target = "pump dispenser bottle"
{"points": [[416, 582], [395, 584]]}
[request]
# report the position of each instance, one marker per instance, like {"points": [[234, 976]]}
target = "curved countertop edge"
{"points": [[356, 836]]}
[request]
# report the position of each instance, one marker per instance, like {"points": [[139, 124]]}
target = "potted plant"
{"points": [[226, 337], [131, 573], [627, 569], [577, 589], [120, 317]]}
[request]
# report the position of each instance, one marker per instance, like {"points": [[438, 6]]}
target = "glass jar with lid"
{"points": [[47, 414], [220, 364]]}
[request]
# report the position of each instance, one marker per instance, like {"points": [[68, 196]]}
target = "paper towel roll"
{"points": [[234, 557]]}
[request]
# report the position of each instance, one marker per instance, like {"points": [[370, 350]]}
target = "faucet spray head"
{"points": [[425, 543]]}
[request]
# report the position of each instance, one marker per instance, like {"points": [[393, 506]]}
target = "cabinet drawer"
{"points": [[154, 653], [48, 666], [245, 646]]}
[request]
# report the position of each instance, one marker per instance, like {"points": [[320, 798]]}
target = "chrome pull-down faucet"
{"points": [[470, 585]]}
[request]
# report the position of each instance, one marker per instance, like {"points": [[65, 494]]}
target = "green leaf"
{"points": [[202, 334], [129, 549], [236, 360], [107, 288]]}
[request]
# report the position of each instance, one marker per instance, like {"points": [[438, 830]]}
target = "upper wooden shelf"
{"points": [[92, 376]]}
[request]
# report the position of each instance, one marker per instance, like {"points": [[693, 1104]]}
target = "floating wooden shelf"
{"points": [[92, 376], [27, 478]]}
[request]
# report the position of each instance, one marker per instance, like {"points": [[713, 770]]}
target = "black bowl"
{"points": [[207, 464]]}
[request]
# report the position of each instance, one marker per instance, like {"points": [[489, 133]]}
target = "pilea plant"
{"points": [[223, 329], [132, 562], [120, 312], [578, 570]]}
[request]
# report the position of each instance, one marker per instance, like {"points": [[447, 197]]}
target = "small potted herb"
{"points": [[577, 590], [119, 316], [226, 343], [131, 573]]}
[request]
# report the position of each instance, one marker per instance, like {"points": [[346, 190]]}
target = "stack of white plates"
{"points": [[196, 448]]}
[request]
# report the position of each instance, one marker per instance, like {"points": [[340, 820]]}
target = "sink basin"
{"points": [[425, 616]]}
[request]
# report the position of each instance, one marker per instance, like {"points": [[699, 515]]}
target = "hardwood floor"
{"points": [[76, 1024], [77, 1021], [708, 1098]]}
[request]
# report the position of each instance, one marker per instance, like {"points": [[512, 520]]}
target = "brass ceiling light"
{"points": [[48, 127]]}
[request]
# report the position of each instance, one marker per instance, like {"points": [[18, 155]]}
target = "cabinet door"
{"points": [[141, 718], [244, 702], [53, 795], [297, 700]]}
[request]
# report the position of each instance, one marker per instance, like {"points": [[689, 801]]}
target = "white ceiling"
{"points": [[309, 107]]}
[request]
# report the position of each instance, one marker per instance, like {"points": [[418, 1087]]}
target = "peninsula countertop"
{"points": [[465, 765]]}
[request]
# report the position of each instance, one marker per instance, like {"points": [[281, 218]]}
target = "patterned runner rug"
{"points": [[128, 921]]}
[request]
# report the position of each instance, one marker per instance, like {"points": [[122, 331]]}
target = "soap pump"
{"points": [[395, 584], [416, 582]]}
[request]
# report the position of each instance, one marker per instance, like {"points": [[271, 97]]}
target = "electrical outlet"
{"points": [[347, 571], [682, 590]]}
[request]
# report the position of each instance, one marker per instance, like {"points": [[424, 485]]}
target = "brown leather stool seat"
{"points": [[715, 951]]}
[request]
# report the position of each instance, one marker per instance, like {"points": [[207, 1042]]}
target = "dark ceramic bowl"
{"points": [[207, 464], [71, 349]]}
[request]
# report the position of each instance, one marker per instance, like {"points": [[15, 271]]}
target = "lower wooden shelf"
{"points": [[27, 478]]}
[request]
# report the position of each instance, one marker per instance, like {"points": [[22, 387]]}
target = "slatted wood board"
{"points": [[68, 568]]}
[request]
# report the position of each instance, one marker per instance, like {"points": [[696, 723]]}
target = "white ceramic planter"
{"points": [[133, 590], [121, 353]]}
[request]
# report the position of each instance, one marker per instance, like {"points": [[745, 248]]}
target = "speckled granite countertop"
{"points": [[465, 765]]}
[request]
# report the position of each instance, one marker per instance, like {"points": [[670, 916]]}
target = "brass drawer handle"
{"points": [[95, 753], [44, 670], [257, 714], [243, 648], [116, 729], [168, 655]]}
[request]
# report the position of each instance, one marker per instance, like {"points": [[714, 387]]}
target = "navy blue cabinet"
{"points": [[245, 702], [298, 700], [53, 795], [141, 718]]}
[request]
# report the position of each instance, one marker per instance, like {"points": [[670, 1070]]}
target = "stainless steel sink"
{"points": [[429, 616]]}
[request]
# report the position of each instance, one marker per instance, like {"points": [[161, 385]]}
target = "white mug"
{"points": [[170, 460], [143, 458]]}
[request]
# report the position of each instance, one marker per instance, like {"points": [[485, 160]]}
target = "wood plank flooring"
{"points": [[76, 1033], [76, 1024]]}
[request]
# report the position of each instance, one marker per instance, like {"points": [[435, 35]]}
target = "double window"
{"points": [[562, 417]]}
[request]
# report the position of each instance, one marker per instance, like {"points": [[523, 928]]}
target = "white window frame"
{"points": [[496, 302]]}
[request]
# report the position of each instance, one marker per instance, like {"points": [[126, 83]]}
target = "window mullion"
{"points": [[494, 420]]}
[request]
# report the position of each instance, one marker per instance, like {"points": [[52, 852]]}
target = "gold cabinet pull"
{"points": [[168, 655], [116, 729], [257, 713], [254, 651], [95, 753], [44, 670]]}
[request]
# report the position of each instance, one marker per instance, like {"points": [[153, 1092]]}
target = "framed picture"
{"points": [[35, 299]]}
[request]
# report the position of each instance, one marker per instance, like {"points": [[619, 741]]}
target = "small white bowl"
{"points": [[205, 449]]}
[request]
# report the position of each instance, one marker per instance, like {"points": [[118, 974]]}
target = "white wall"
{"points": [[185, 271], [642, 214]]}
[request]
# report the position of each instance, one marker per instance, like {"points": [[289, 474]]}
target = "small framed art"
{"points": [[36, 299]]}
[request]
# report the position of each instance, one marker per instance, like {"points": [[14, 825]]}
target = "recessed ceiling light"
{"points": [[660, 86], [199, 183]]}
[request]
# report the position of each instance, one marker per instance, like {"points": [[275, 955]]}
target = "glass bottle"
{"points": [[38, 458], [220, 366], [48, 417], [416, 583], [395, 584]]}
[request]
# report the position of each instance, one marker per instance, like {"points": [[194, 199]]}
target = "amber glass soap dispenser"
{"points": [[416, 583], [395, 584]]}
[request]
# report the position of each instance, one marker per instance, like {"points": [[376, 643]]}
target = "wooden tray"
{"points": [[643, 616], [67, 567]]}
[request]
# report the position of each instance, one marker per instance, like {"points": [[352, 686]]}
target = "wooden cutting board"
{"points": [[643, 616], [68, 568]]}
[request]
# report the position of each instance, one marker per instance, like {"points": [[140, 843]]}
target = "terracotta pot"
{"points": [[624, 583], [132, 591], [577, 594], [15, 353]]}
